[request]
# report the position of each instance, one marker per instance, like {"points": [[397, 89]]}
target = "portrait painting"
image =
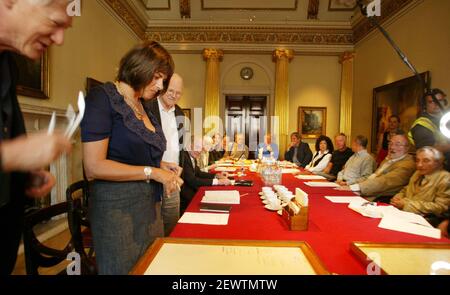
{"points": [[312, 121], [33, 78], [401, 98]]}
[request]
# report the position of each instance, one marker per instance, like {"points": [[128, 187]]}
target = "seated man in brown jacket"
{"points": [[392, 175], [428, 191]]}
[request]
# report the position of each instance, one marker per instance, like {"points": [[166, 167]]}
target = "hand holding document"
{"points": [[73, 119], [222, 197], [205, 218]]}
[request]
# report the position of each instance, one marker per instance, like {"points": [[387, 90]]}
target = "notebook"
{"points": [[222, 208]]}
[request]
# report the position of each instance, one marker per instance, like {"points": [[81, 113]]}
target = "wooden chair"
{"points": [[37, 254], [77, 195]]}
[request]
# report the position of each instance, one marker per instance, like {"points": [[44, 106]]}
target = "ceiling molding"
{"points": [[127, 14], [250, 35], [185, 8], [389, 8], [203, 7], [146, 4], [313, 9], [312, 36]]}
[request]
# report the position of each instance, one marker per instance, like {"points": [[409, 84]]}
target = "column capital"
{"points": [[347, 55], [282, 53], [212, 53]]}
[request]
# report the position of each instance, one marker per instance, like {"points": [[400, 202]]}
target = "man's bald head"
{"points": [[174, 92]]}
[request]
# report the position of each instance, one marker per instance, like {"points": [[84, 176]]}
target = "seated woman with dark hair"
{"points": [[123, 145], [324, 150]]}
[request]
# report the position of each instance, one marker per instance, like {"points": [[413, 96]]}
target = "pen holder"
{"points": [[298, 221]]}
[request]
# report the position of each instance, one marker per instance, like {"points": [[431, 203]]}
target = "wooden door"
{"points": [[247, 115]]}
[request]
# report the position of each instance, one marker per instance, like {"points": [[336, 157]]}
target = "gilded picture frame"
{"points": [[152, 258], [33, 78], [403, 258], [401, 98], [312, 121]]}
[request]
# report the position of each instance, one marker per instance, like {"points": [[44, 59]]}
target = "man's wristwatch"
{"points": [[148, 173]]}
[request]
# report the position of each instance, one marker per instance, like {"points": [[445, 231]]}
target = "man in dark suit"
{"points": [[299, 152], [171, 117], [193, 177], [28, 27]]}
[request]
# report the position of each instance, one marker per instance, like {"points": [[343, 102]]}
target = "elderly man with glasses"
{"points": [[392, 175]]}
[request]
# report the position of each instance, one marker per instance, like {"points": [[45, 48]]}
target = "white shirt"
{"points": [[322, 164], [169, 127]]}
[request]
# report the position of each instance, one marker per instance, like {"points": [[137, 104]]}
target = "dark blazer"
{"points": [[215, 156], [193, 179], [304, 154], [152, 106], [12, 185]]}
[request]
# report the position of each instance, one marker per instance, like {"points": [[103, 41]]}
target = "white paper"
{"points": [[408, 217], [223, 164], [225, 169], [222, 197], [393, 223], [205, 218], [321, 184], [289, 170], [310, 177], [345, 199]]}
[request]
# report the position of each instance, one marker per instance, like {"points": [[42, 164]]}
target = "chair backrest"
{"points": [[77, 196], [37, 254]]}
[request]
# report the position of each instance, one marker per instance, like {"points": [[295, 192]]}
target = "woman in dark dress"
{"points": [[122, 150]]}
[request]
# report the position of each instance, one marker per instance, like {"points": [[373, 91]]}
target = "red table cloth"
{"points": [[332, 227]]}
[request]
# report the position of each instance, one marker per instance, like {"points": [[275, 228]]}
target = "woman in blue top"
{"points": [[122, 150]]}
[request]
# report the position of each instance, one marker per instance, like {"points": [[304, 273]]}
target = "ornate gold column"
{"points": [[282, 57], [213, 57], [345, 124]]}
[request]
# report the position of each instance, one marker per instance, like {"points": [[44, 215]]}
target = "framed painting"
{"points": [[33, 79], [312, 121], [341, 5], [228, 257], [401, 98], [404, 258]]}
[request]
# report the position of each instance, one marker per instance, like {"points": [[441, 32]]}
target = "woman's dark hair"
{"points": [[142, 62], [330, 146]]}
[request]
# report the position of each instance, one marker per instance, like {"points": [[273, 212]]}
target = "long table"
{"points": [[332, 227]]}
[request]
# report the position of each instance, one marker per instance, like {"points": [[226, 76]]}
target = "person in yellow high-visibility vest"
{"points": [[425, 129]]}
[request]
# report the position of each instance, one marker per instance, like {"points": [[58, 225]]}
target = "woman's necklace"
{"points": [[138, 111]]}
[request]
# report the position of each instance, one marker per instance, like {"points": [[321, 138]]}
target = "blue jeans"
{"points": [[125, 219], [170, 211]]}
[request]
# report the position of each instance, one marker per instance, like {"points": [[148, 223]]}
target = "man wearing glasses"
{"points": [[392, 175], [425, 129]]}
